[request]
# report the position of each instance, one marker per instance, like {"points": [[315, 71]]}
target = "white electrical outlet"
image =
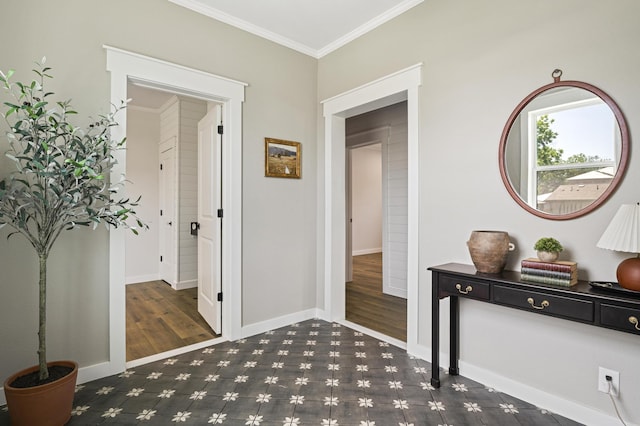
{"points": [[604, 385]]}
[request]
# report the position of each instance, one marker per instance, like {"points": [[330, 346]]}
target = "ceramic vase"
{"points": [[489, 250]]}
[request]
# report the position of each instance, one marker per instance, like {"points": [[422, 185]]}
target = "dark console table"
{"points": [[581, 303]]}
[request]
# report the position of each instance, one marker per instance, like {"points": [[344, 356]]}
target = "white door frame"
{"points": [[172, 203], [399, 86], [157, 74]]}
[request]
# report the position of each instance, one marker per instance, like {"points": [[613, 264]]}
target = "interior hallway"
{"points": [[368, 306]]}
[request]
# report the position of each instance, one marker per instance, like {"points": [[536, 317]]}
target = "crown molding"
{"points": [[221, 16], [368, 26]]}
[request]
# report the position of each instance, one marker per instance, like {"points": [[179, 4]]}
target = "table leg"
{"points": [[454, 340], [435, 332]]}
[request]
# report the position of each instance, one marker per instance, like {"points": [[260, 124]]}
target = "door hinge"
{"points": [[220, 213], [221, 130], [160, 258], [220, 297]]}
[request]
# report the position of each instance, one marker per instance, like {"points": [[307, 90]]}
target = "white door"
{"points": [[209, 234], [395, 178], [349, 215], [168, 226]]}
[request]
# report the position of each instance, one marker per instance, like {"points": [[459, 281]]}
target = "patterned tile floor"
{"points": [[312, 373]]}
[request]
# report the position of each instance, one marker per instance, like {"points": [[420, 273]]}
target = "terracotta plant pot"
{"points": [[489, 250], [45, 405]]}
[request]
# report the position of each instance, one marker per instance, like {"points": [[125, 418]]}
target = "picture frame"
{"points": [[282, 158]]}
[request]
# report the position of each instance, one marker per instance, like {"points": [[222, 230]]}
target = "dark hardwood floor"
{"points": [[160, 318], [368, 306]]}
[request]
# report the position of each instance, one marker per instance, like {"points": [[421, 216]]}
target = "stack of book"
{"points": [[562, 273]]}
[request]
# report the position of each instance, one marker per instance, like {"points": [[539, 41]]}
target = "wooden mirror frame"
{"points": [[624, 148]]}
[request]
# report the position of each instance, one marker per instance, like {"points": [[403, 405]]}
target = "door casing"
{"points": [[388, 90], [123, 67]]}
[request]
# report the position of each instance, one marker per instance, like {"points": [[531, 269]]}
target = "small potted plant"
{"points": [[548, 249], [60, 181]]}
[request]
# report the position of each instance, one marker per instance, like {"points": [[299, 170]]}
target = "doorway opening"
{"points": [[162, 263], [125, 67], [376, 190], [394, 88]]}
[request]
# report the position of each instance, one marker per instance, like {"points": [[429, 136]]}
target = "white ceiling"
{"points": [[313, 27], [143, 97]]}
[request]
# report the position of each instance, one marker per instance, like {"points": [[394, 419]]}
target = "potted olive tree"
{"points": [[59, 181]]}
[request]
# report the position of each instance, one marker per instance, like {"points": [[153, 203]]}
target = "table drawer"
{"points": [[559, 306], [620, 318], [461, 287]]}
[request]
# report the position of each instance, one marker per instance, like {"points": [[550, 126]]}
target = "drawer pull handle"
{"points": [[634, 321], [467, 290], [544, 304]]}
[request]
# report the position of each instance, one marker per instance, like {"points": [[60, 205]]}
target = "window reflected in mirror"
{"points": [[562, 150]]}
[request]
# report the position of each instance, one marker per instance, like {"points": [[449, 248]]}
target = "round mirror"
{"points": [[564, 149]]}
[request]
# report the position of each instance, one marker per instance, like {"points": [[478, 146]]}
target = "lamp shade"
{"points": [[623, 233]]}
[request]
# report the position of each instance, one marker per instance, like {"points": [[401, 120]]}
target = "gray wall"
{"points": [[480, 59], [143, 134], [280, 102], [366, 192]]}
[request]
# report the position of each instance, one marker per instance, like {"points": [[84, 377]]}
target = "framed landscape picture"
{"points": [[281, 158]]}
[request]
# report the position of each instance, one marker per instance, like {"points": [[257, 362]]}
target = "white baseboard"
{"points": [[366, 251], [96, 371], [322, 314], [554, 403], [421, 351], [181, 285], [383, 337], [283, 321], [135, 279], [175, 352], [394, 291]]}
